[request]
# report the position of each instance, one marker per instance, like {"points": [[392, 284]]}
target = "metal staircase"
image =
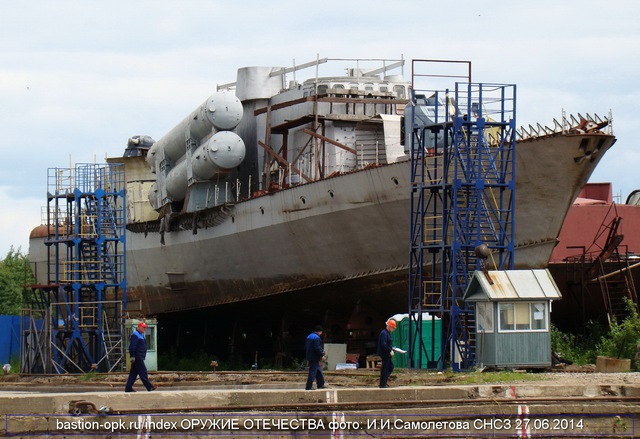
{"points": [[603, 269], [463, 194], [80, 311], [612, 272]]}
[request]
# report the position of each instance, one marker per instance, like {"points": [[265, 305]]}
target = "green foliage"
{"points": [[494, 377], [15, 275], [578, 349], [200, 361], [623, 338], [298, 364], [15, 364], [619, 340], [88, 376]]}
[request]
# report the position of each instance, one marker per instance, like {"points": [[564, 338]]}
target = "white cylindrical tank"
{"points": [[222, 111], [224, 151], [154, 196]]}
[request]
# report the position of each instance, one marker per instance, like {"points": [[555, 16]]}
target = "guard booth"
{"points": [[151, 337], [512, 317]]}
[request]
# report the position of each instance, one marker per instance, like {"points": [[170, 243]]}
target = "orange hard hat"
{"points": [[391, 323], [142, 325]]}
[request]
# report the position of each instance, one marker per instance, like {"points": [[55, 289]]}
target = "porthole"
{"points": [[395, 180], [303, 199], [331, 193]]}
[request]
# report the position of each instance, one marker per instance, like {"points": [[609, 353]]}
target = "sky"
{"points": [[79, 77]]}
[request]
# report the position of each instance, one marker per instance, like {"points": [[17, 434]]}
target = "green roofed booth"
{"points": [[512, 317]]}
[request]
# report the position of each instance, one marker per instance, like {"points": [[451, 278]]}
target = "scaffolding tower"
{"points": [[77, 322], [462, 208]]}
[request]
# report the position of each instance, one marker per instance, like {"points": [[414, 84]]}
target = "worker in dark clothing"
{"points": [[385, 350], [138, 353], [314, 352]]}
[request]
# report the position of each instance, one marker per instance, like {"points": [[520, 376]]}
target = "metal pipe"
{"points": [[637, 264]]}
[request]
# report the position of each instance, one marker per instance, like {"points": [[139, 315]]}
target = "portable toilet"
{"points": [[512, 317], [431, 339], [151, 337]]}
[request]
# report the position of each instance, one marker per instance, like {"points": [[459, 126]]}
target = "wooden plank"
{"points": [[283, 161], [331, 141]]}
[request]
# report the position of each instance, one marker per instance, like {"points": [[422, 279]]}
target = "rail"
{"points": [[314, 406]]}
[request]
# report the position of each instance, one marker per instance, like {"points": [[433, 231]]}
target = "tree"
{"points": [[15, 275]]}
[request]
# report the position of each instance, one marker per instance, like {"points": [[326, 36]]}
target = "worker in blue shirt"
{"points": [[385, 350], [138, 353], [314, 352]]}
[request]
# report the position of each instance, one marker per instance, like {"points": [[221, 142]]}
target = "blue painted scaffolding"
{"points": [[462, 206], [78, 323]]}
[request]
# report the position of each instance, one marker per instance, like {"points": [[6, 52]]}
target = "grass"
{"points": [[496, 377]]}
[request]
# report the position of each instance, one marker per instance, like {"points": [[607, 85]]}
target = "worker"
{"points": [[314, 352], [385, 351], [138, 353]]}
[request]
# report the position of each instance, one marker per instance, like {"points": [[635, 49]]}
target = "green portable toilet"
{"points": [[431, 337]]}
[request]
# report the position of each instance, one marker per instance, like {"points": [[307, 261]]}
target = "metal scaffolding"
{"points": [[462, 208], [77, 323]]}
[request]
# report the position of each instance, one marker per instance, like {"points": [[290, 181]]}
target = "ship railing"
{"points": [[72, 315], [434, 167], [592, 256], [88, 223], [89, 270], [85, 177], [88, 317], [61, 221], [432, 295], [84, 272], [360, 63], [433, 229], [60, 181], [580, 124]]}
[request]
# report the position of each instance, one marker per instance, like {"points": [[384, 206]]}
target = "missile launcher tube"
{"points": [[215, 158], [222, 111]]}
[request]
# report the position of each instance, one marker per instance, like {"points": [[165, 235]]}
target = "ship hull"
{"points": [[351, 228]]}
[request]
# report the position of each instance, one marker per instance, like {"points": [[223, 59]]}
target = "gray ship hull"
{"points": [[351, 228]]}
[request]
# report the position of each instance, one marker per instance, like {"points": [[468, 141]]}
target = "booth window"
{"points": [[522, 316], [150, 338], [484, 315]]}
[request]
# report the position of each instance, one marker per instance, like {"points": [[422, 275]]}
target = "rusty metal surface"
{"points": [[514, 285]]}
